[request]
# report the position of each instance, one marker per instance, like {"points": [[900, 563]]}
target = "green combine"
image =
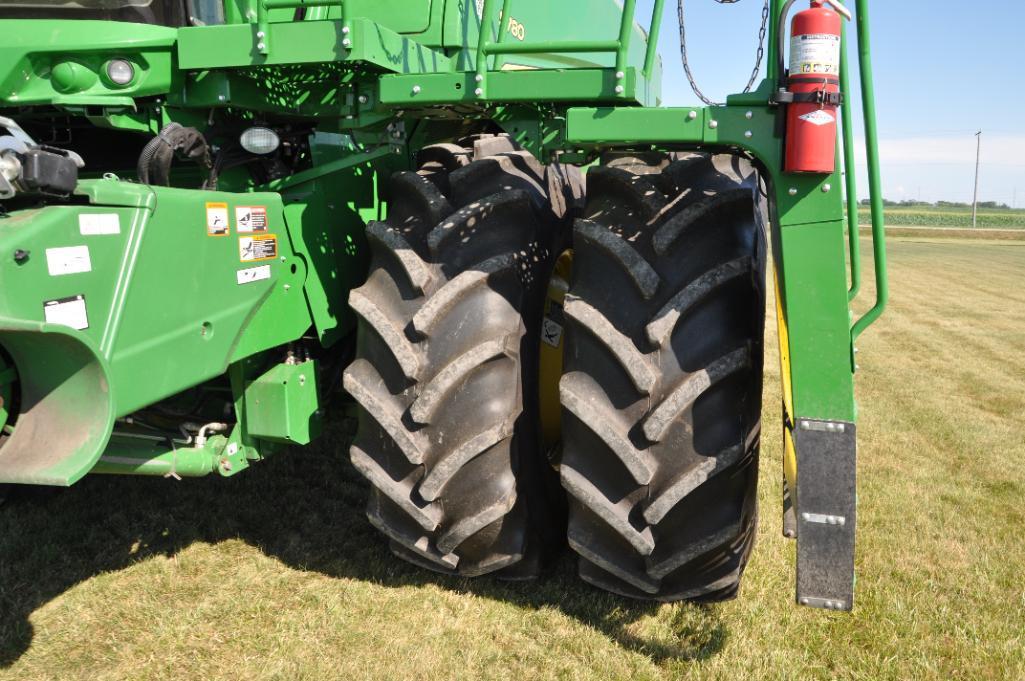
{"points": [[542, 292]]}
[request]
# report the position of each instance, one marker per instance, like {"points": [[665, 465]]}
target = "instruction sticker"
{"points": [[259, 247], [817, 53], [92, 224], [250, 219], [69, 260], [248, 276], [67, 312], [217, 219], [818, 117]]}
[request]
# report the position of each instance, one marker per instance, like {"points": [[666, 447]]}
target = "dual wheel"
{"points": [[661, 381]]}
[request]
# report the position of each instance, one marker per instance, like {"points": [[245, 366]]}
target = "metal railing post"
{"points": [[868, 102]]}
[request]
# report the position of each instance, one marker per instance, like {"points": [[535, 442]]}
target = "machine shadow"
{"points": [[303, 507]]}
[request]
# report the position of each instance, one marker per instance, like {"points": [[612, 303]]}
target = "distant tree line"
{"points": [[987, 205]]}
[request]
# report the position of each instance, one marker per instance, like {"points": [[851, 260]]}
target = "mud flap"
{"points": [[826, 513], [66, 410]]}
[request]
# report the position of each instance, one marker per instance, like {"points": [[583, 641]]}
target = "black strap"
{"points": [[821, 97]]}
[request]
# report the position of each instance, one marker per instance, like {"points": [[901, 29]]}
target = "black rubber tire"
{"points": [[662, 382], [446, 360]]}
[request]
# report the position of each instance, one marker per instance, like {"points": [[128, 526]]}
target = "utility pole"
{"points": [[975, 198]]}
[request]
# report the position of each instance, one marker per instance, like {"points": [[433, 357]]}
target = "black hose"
{"points": [[154, 165], [781, 30]]}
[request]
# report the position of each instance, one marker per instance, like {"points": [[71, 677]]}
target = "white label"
{"points": [[551, 332], [67, 312], [480, 9], [250, 219], [91, 224], [253, 274], [818, 53], [70, 260], [259, 247], [818, 117], [217, 219]]}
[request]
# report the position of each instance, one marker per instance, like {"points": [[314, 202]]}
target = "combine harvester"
{"points": [[217, 215]]}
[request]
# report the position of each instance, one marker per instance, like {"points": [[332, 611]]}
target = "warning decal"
{"points": [[250, 219], [259, 247], [217, 219], [67, 312]]}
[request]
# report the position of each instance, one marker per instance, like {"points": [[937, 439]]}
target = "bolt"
{"points": [[260, 34], [790, 534], [346, 43], [805, 601], [478, 92], [692, 115], [363, 99], [226, 465], [793, 191], [749, 115], [220, 98], [416, 89], [345, 30], [619, 89], [20, 256], [620, 75], [826, 187], [288, 287], [713, 124], [478, 78], [302, 379], [283, 258], [261, 46], [749, 134]]}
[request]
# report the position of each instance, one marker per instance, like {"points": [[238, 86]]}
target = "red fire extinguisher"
{"points": [[814, 88]]}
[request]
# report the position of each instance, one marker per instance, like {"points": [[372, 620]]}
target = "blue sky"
{"points": [[943, 70]]}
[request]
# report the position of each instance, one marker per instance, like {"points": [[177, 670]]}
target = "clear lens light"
{"points": [[120, 72], [260, 141]]}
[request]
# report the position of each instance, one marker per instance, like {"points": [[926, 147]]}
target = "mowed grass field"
{"points": [[276, 573]]}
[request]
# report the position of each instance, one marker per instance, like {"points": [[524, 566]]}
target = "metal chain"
{"points": [[760, 55]]}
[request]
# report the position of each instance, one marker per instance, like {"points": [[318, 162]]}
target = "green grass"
{"points": [[926, 216], [276, 573]]}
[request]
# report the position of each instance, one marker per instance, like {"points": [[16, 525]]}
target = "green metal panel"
{"points": [[282, 405], [306, 42], [163, 300], [61, 62]]}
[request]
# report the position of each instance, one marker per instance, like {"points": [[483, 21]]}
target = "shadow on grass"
{"points": [[303, 507]]}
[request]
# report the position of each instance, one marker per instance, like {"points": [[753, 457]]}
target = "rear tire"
{"points": [[447, 353], [661, 390]]}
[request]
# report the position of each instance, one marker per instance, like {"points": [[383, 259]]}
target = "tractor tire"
{"points": [[447, 359], [662, 382]]}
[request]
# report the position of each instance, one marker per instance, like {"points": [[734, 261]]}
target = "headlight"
{"points": [[260, 141], [120, 71]]}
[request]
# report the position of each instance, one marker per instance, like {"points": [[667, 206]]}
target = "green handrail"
{"points": [[847, 115], [874, 181]]}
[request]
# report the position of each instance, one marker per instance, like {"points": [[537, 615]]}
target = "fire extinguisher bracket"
{"points": [[823, 97]]}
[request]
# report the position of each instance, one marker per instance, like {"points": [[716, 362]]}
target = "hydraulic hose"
{"points": [[154, 165]]}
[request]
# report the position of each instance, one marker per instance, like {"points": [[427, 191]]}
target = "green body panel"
{"points": [[163, 303], [61, 62], [283, 406]]}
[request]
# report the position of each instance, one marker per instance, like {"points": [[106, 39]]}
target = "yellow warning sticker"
{"points": [[217, 219], [257, 247]]}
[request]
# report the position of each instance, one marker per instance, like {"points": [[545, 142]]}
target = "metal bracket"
{"points": [[826, 513]]}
